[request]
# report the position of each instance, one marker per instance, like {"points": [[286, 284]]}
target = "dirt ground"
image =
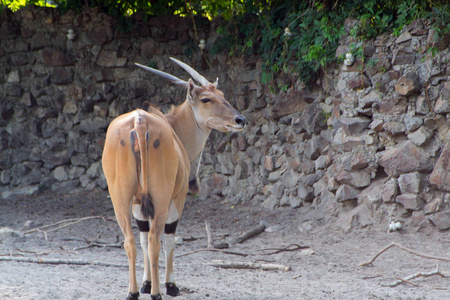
{"points": [[329, 269]]}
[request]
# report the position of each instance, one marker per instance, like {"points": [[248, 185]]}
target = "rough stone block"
{"points": [[288, 104], [421, 136], [61, 76], [110, 59], [322, 162], [361, 82], [440, 43], [268, 163], [345, 142], [412, 123], [406, 158], [394, 127], [404, 37], [359, 216], [422, 106], [95, 170], [354, 126], [442, 105], [358, 162], [346, 192], [312, 119], [408, 84], [55, 156], [410, 201], [60, 174], [370, 99], [434, 205], [403, 56], [55, 58], [100, 35], [441, 220], [290, 178], [13, 77], [393, 106], [305, 193], [314, 147], [440, 177], [410, 183]]}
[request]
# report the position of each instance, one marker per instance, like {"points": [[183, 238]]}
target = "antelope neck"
{"points": [[189, 131]]}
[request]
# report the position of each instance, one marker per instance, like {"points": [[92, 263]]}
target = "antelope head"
{"points": [[208, 104]]}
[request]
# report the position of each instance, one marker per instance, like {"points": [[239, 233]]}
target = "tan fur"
{"points": [[166, 180], [163, 169]]}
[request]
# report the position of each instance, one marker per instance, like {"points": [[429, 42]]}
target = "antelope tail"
{"points": [[139, 143]]}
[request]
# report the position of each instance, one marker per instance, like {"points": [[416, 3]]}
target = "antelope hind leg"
{"points": [[144, 228]]}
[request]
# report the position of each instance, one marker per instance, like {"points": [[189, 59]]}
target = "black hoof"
{"points": [[133, 296], [171, 289], [146, 287], [156, 297]]}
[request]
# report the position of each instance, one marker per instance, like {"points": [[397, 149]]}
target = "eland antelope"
{"points": [[150, 160]]}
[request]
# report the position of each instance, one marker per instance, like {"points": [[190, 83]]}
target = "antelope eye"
{"points": [[205, 100]]}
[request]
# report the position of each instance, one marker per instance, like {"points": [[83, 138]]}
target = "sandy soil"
{"points": [[327, 270]]}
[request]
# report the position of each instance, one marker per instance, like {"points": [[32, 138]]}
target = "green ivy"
{"points": [[296, 38]]}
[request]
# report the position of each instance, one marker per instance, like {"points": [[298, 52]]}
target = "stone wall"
{"points": [[368, 143]]}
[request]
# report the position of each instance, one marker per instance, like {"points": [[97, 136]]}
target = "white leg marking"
{"points": [[137, 212], [143, 237], [169, 245], [172, 214]]}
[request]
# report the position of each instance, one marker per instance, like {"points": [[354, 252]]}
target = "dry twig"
{"points": [[291, 247], [421, 274], [102, 245], [37, 253], [250, 233], [61, 224], [248, 265], [60, 261], [208, 234], [214, 250], [393, 244]]}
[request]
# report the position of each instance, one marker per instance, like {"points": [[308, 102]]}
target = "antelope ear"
{"points": [[192, 91]]}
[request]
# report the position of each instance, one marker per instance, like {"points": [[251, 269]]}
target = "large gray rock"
{"points": [[287, 104], [406, 158], [314, 147], [441, 220], [356, 179], [312, 119], [410, 183], [345, 193], [410, 201], [65, 187], [440, 177], [55, 156], [354, 126], [421, 136]]}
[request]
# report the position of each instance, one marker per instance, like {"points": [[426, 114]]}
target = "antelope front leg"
{"points": [[193, 177]]}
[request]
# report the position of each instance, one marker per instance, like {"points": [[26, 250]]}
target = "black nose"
{"points": [[240, 120]]}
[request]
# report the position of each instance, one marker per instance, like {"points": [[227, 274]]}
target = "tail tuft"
{"points": [[147, 207], [146, 105]]}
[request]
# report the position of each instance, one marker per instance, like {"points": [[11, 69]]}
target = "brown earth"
{"points": [[329, 269]]}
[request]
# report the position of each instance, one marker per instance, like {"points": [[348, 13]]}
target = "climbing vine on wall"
{"points": [[297, 38]]}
